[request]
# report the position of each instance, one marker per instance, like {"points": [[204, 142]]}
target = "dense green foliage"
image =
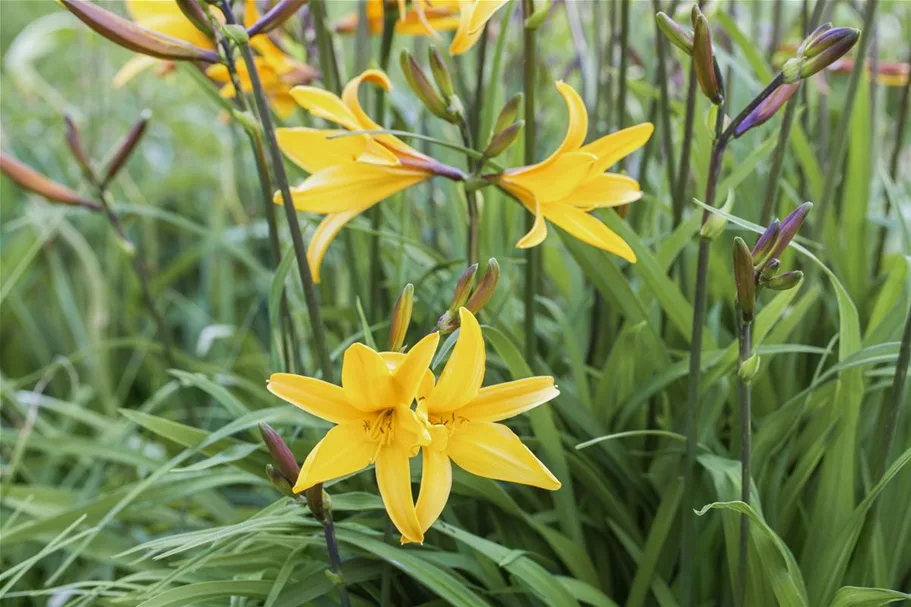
{"points": [[126, 482]]}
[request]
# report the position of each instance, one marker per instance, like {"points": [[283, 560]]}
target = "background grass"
{"points": [[110, 496]]}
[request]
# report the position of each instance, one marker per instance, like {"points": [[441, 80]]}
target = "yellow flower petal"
{"points": [[325, 233], [345, 449], [611, 148], [283, 104], [494, 451], [133, 68], [605, 190], [394, 359], [436, 483], [538, 231], [589, 229], [413, 368], [366, 379], [464, 372], [577, 125], [353, 185], [313, 151], [502, 401], [554, 179], [394, 479], [365, 123], [167, 18], [483, 11], [316, 397], [325, 105], [464, 38]]}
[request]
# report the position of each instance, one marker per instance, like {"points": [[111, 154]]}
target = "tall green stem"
{"points": [[297, 238], [471, 197], [327, 64], [664, 111], [532, 255], [841, 138], [683, 169], [624, 62], [744, 339]]}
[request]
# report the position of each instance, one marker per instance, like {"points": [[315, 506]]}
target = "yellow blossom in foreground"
{"points": [[352, 173], [374, 422], [565, 187], [427, 17], [462, 418]]}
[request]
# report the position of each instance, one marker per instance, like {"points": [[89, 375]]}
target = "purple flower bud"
{"points": [[139, 39], [765, 243], [276, 16], [486, 287], [33, 181], [127, 146], [281, 453], [813, 35], [765, 110], [745, 279], [827, 48], [789, 228]]}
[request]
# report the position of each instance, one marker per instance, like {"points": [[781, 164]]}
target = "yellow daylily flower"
{"points": [[374, 422], [350, 174], [462, 418], [427, 17], [572, 181]]}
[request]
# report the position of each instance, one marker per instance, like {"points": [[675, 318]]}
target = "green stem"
{"points": [[896, 398], [664, 112], [770, 202], [297, 239], [624, 61], [471, 197], [744, 339], [532, 255], [841, 138], [683, 169], [327, 63]]}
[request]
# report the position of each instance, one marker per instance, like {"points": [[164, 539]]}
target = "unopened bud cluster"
{"points": [[468, 296], [759, 268], [821, 49], [439, 98], [698, 45]]}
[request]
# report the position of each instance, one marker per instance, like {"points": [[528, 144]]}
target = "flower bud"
{"points": [[127, 146], [765, 110], [279, 481], [440, 73], [744, 278], [749, 368], [503, 140], [676, 35], [813, 35], [716, 224], [317, 501], [192, 10], [139, 39], [827, 48], [401, 318], [281, 453], [509, 113], [768, 270], [74, 141], [704, 59], [421, 86], [789, 227], [784, 282], [766, 242], [33, 181], [276, 16], [463, 288], [235, 33], [486, 287]]}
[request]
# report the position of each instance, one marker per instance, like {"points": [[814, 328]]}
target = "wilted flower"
{"points": [[374, 422], [349, 174], [569, 184], [461, 418]]}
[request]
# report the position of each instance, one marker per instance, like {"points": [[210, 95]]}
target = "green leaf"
{"points": [[852, 596]]}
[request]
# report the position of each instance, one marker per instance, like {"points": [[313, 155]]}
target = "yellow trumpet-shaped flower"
{"points": [[565, 187], [462, 418], [427, 17], [349, 174], [374, 422]]}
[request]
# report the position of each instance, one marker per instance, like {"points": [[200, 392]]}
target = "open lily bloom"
{"points": [[428, 17], [349, 174], [463, 426], [565, 187], [374, 422]]}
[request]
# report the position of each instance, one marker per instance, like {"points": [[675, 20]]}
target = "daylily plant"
{"points": [[427, 17], [455, 421], [350, 173], [374, 422], [572, 182], [462, 418]]}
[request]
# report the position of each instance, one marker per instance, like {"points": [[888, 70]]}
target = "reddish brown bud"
{"points": [[33, 181], [74, 141], [127, 146], [486, 287], [745, 279], [281, 453]]}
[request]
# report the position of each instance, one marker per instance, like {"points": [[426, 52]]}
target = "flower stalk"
{"points": [[297, 239], [532, 255]]}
